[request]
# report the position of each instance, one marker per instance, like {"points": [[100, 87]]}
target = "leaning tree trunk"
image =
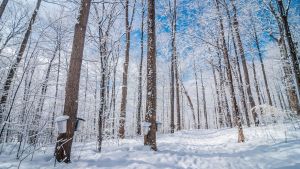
{"points": [[239, 76], [2, 7], [13, 68], [293, 52], [224, 100], [245, 68], [287, 69], [150, 137], [64, 141], [288, 79], [235, 110], [190, 104]]}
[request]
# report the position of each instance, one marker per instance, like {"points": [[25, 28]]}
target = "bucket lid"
{"points": [[61, 118]]}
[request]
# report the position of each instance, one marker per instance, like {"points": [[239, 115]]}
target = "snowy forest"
{"points": [[150, 84]]}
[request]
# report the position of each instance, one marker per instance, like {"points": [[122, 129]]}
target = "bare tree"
{"points": [[128, 25], [243, 57], [238, 68], [140, 91], [284, 11], [287, 68], [261, 61], [64, 141], [190, 104], [235, 110], [13, 68]]}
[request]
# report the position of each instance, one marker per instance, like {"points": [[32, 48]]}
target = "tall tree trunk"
{"points": [[293, 52], [235, 110], [113, 97], [256, 84], [287, 68], [56, 92], [190, 104], [64, 141], [125, 76], [262, 64], [204, 101], [150, 137], [13, 68], [2, 7], [177, 94], [128, 25], [172, 93], [140, 90], [176, 72], [239, 76], [173, 66], [289, 83], [224, 100], [219, 108], [197, 95], [243, 57]]}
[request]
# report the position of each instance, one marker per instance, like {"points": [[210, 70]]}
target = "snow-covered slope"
{"points": [[276, 146]]}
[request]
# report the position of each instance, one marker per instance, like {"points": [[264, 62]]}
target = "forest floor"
{"points": [[273, 146]]}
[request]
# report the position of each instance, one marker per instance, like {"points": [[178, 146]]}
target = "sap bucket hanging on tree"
{"points": [[79, 122], [146, 127], [158, 125], [61, 123]]}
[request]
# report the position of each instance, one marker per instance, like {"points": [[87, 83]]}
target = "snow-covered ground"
{"points": [[275, 146]]}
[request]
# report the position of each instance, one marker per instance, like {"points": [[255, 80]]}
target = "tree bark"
{"points": [[125, 75], [64, 141], [174, 70], [150, 137]]}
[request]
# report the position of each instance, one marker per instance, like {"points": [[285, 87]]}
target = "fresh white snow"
{"points": [[273, 146]]}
